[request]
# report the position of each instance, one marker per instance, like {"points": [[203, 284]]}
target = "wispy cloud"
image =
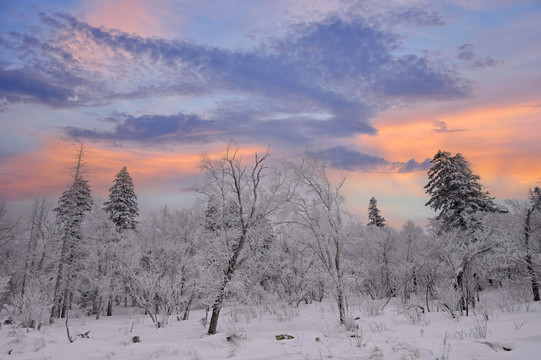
{"points": [[466, 52], [417, 15], [341, 157], [486, 62], [441, 127]]}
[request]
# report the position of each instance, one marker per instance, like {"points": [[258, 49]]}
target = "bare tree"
{"points": [[9, 231], [319, 205], [243, 199]]}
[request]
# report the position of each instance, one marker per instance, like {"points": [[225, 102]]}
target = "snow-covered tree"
{"points": [[72, 207], [242, 199], [455, 192], [381, 262], [531, 251], [122, 204], [9, 232], [319, 209], [374, 214], [100, 265]]}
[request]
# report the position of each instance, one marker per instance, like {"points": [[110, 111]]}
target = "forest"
{"points": [[273, 237]]}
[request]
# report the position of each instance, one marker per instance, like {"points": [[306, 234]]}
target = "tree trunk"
{"points": [[214, 317], [57, 298], [110, 306], [341, 305], [98, 308], [216, 307], [462, 303], [529, 263], [187, 309], [339, 289], [533, 278]]}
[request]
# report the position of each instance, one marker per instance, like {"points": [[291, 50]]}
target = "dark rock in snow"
{"points": [[136, 339], [85, 335], [233, 337], [284, 337]]}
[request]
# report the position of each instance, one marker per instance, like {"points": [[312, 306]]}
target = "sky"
{"points": [[372, 88]]}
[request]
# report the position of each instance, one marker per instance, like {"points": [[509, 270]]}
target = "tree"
{"points": [[535, 204], [122, 204], [72, 206], [241, 200], [102, 246], [456, 193], [374, 214], [319, 204], [9, 232]]}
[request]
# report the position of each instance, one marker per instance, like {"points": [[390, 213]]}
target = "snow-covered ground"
{"points": [[512, 331]]}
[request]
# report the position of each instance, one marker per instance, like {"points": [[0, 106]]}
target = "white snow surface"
{"points": [[317, 334]]}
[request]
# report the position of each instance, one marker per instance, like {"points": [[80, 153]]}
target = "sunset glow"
{"points": [[373, 89]]}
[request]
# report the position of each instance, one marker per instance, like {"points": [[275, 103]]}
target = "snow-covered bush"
{"points": [[33, 307]]}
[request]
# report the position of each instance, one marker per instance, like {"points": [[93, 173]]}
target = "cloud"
{"points": [[20, 85], [466, 52], [413, 165], [148, 128], [344, 69], [395, 12], [486, 62], [341, 157], [441, 127], [238, 125], [416, 15]]}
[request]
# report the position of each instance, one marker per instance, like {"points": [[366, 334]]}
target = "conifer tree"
{"points": [[456, 193], [122, 204], [374, 214], [70, 212]]}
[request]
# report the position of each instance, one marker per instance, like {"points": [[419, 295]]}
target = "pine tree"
{"points": [[374, 214], [122, 204], [456, 193]]}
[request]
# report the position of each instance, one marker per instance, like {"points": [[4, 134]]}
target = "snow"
{"points": [[395, 333]]}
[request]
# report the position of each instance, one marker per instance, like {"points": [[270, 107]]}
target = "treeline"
{"points": [[271, 237]]}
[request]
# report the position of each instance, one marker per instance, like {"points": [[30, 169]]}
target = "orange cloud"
{"points": [[47, 171], [500, 141]]}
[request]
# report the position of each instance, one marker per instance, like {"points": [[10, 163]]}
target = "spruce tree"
{"points": [[72, 206], [456, 193], [374, 214], [122, 204]]}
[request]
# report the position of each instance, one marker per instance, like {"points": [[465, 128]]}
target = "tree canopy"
{"points": [[455, 192], [122, 204]]}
